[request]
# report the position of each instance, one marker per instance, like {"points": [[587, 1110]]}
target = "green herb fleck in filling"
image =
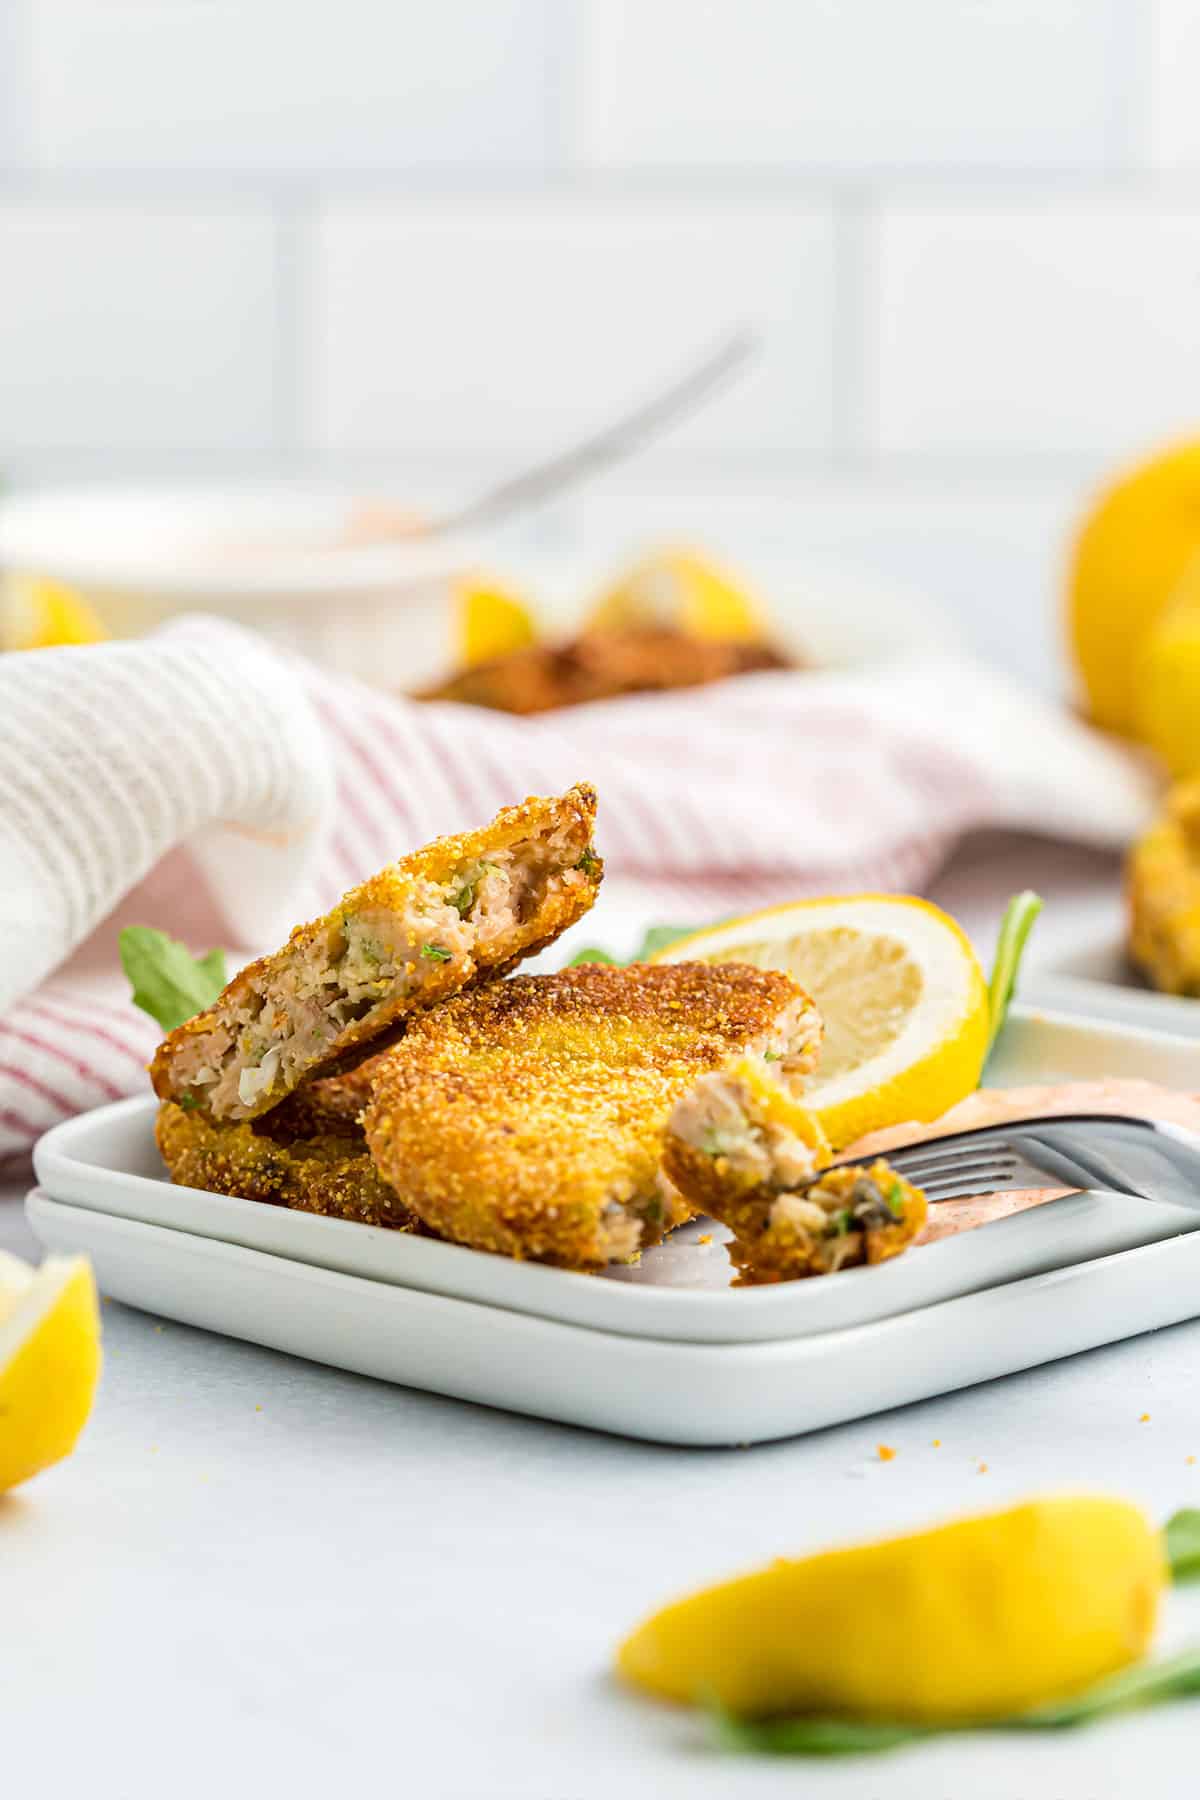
{"points": [[435, 953]]}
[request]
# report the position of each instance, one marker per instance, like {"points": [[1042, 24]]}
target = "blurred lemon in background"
{"points": [[49, 1361], [1135, 549], [38, 614], [1167, 681], [492, 620], [683, 591]]}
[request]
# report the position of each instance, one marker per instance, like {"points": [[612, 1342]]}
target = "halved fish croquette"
{"points": [[527, 1117], [462, 910], [741, 1148]]}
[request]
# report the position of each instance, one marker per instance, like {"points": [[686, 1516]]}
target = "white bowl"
{"points": [[275, 559]]}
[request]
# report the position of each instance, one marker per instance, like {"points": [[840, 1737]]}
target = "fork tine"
{"points": [[944, 1164]]}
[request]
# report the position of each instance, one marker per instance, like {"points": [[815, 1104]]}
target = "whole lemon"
{"points": [[1167, 681], [1135, 547]]}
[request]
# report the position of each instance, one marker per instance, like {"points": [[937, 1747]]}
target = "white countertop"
{"points": [[260, 1575]]}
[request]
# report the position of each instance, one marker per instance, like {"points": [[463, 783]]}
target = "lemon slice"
{"points": [[49, 1361], [903, 998], [43, 614], [682, 590], [492, 621]]}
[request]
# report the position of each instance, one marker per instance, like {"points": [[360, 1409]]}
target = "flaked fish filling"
{"points": [[835, 1209], [716, 1117], [277, 1033]]}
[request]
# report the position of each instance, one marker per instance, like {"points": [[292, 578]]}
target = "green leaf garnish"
{"points": [[168, 982], [1146, 1684], [435, 953], [1015, 927], [592, 955], [1182, 1540]]}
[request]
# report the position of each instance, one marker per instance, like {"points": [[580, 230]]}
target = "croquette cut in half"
{"points": [[527, 1117], [462, 910], [742, 1149], [308, 1154]]}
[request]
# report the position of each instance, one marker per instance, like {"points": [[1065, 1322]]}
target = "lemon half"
{"points": [[49, 1361], [899, 988]]}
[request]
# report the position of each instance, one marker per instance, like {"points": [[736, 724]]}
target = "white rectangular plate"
{"points": [[676, 1393], [106, 1162]]}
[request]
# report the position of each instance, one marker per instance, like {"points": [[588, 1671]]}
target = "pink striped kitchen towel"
{"points": [[199, 781]]}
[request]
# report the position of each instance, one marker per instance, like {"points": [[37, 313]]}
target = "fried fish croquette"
{"points": [[1163, 885], [742, 1149], [462, 910], [308, 1154], [527, 1117]]}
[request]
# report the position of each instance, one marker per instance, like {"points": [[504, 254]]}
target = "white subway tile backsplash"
{"points": [[852, 84], [1174, 115], [1069, 328], [272, 85], [131, 329], [470, 330]]}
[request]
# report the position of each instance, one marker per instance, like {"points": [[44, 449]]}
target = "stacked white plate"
{"points": [[667, 1350]]}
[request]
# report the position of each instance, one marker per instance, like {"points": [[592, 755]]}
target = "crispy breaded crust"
{"points": [[527, 1117], [330, 1173], [245, 1024], [331, 1106], [1163, 891]]}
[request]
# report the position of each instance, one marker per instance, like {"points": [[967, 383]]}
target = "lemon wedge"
{"points": [[975, 1619], [492, 621], [49, 1361], [42, 614], [681, 590], [900, 990]]}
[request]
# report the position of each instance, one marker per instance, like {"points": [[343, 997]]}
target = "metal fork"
{"points": [[1146, 1158]]}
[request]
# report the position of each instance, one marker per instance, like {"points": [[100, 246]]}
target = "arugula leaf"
{"points": [[1015, 927], [168, 982], [1146, 1684], [809, 1737], [1182, 1534]]}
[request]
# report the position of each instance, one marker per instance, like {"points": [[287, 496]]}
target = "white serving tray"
{"points": [[675, 1393], [534, 1339]]}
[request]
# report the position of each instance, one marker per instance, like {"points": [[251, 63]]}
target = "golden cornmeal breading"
{"points": [[1163, 888], [331, 1106], [741, 1148], [527, 1117], [462, 910], [329, 1172]]}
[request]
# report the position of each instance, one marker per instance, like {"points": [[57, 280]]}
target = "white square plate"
{"points": [[667, 1350]]}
